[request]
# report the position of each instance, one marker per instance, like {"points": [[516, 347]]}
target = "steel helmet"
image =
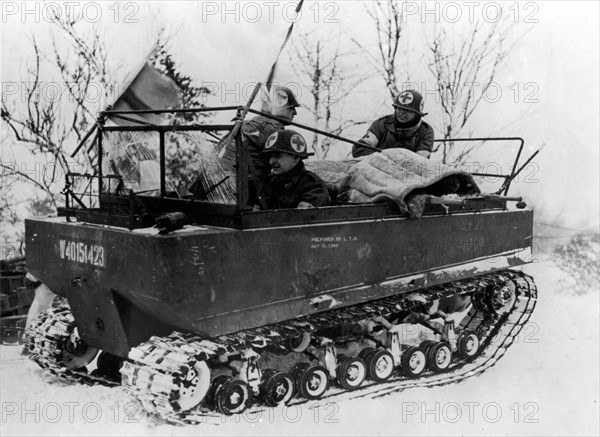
{"points": [[283, 96], [411, 100], [287, 141], [278, 97]]}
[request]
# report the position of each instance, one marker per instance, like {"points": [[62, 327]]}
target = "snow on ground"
{"points": [[546, 384]]}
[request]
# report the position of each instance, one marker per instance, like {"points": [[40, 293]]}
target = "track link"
{"points": [[160, 372], [45, 344], [157, 369]]}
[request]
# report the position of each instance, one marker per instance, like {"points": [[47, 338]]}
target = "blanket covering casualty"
{"points": [[395, 175]]}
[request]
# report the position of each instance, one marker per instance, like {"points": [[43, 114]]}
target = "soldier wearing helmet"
{"points": [[404, 129], [290, 185], [280, 102]]}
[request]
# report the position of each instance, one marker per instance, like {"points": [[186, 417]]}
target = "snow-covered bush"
{"points": [[580, 258]]}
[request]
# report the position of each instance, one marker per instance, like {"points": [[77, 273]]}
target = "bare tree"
{"points": [[52, 124], [8, 205], [191, 96], [179, 154], [330, 85], [389, 23], [464, 68]]}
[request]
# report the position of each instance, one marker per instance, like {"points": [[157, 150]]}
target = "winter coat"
{"points": [[255, 133], [297, 185], [384, 134]]}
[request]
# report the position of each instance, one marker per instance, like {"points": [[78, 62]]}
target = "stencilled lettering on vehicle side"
{"points": [[83, 252]]}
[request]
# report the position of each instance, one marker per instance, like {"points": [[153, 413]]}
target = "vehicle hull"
{"points": [[124, 286]]}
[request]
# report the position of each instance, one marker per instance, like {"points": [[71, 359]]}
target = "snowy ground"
{"points": [[546, 384]]}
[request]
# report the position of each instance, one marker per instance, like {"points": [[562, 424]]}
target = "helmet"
{"points": [[411, 100], [288, 141], [278, 97], [283, 97]]}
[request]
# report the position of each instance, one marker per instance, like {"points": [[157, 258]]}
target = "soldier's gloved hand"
{"points": [[255, 208], [305, 205]]}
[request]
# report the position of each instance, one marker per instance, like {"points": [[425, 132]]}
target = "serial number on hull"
{"points": [[81, 252]]}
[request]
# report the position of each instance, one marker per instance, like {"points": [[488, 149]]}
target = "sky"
{"points": [[548, 88]]}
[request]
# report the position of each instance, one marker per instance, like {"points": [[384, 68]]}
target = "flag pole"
{"points": [[271, 75], [240, 116], [239, 120]]}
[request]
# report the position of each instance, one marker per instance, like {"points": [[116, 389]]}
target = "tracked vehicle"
{"points": [[199, 306]]}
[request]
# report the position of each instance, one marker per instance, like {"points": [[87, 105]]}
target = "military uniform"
{"points": [[388, 132], [384, 134], [297, 185], [257, 130], [255, 134]]}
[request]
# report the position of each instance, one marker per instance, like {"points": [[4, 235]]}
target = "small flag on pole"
{"points": [[149, 89]]}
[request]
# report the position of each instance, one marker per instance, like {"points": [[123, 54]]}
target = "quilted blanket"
{"points": [[396, 175]]}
